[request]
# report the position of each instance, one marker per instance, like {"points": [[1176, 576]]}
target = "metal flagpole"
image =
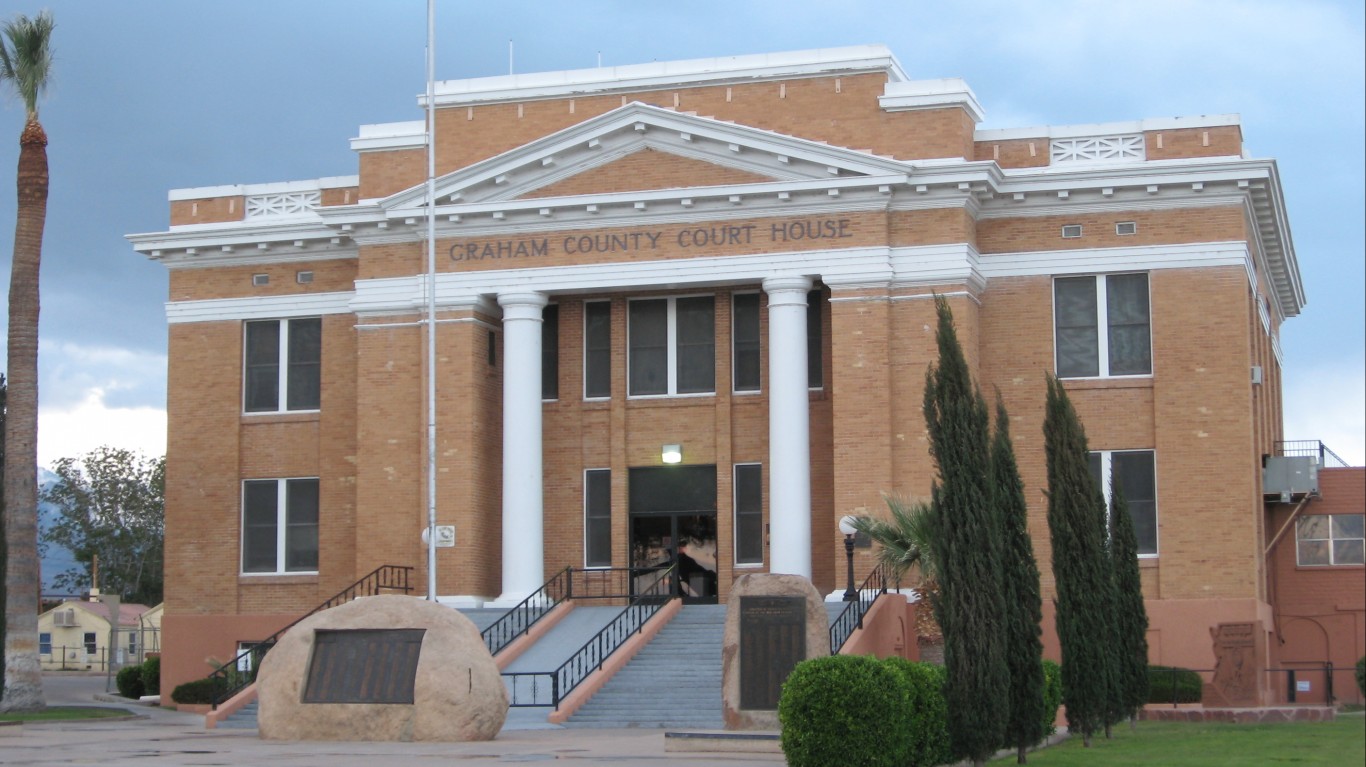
{"points": [[431, 300]]}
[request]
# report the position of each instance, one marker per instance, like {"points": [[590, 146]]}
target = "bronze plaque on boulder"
{"points": [[772, 643], [363, 666]]}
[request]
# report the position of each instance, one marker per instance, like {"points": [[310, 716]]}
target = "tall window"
{"points": [[45, 643], [1330, 539], [749, 514], [91, 646], [597, 518], [744, 335], [1136, 473], [814, 348], [283, 365], [550, 352], [597, 349], [280, 525], [672, 346], [1082, 306]]}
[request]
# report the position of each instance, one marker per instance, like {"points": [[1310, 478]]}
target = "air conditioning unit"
{"points": [[64, 618], [1289, 477]]}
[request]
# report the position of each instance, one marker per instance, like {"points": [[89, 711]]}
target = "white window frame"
{"points": [[671, 347], [735, 518], [1332, 554], [760, 317], [281, 526], [607, 396], [587, 566], [1106, 456], [282, 377], [42, 642], [1103, 327]]}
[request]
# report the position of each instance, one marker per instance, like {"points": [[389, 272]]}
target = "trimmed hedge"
{"points": [[129, 682], [1052, 695], [1361, 675], [1188, 686], [840, 709], [923, 686], [198, 691], [151, 675]]}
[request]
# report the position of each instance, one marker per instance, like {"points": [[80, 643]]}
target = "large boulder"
{"points": [[457, 692]]}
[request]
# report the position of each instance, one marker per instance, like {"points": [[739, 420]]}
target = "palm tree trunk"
{"points": [[23, 676]]}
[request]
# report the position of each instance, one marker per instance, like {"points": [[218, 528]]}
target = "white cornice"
{"points": [[824, 62], [274, 187], [411, 134], [258, 307], [931, 94]]}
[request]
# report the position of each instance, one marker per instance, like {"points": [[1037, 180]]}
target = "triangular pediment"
{"points": [[684, 150]]}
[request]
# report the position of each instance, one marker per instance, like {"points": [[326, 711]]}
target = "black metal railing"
{"points": [[548, 688], [874, 586], [232, 677], [521, 618], [1310, 448]]}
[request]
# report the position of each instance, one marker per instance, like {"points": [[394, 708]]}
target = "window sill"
{"points": [[276, 579], [1328, 568], [306, 416], [1147, 563], [1090, 384], [679, 400]]}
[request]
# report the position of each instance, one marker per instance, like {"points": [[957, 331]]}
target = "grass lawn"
{"points": [[60, 713], [1340, 742]]}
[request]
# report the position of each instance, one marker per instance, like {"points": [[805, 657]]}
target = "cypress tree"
{"points": [[1020, 588], [966, 550], [1131, 617], [1081, 567]]}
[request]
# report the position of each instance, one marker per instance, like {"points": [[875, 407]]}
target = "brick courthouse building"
{"points": [[731, 257]]}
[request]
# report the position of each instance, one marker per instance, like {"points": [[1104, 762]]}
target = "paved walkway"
{"points": [[172, 738]]}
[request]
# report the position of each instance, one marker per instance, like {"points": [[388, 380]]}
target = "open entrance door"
{"points": [[673, 521]]}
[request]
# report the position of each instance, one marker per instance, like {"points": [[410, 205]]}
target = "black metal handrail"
{"points": [[521, 618], [1310, 448], [234, 676], [851, 617], [549, 688]]}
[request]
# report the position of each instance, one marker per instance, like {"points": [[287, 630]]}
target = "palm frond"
{"points": [[904, 539], [26, 56]]}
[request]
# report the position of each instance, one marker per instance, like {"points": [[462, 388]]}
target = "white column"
{"points": [[523, 541], [789, 427]]}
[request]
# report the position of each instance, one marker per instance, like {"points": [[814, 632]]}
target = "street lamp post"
{"points": [[849, 531]]}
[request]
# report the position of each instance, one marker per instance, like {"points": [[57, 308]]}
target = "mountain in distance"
{"points": [[56, 559]]}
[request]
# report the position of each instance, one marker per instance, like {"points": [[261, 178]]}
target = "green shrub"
{"points": [[1052, 695], [198, 691], [129, 681], [928, 725], [840, 709], [151, 675], [1361, 675], [1173, 685]]}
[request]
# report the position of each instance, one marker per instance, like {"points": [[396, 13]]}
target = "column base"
{"points": [[464, 601]]}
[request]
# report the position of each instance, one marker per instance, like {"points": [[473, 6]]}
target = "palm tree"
{"points": [[25, 63], [904, 544]]}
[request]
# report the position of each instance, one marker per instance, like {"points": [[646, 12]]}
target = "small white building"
{"points": [[75, 635]]}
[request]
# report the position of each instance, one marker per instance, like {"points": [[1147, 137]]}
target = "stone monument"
{"points": [[381, 668], [1237, 666], [773, 622]]}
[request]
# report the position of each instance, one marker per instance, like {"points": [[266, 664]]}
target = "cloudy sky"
{"points": [[151, 95]]}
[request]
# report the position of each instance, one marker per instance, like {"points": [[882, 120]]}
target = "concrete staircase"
{"points": [[242, 719], [675, 681]]}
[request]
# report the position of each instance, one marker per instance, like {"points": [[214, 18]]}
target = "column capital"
{"points": [[522, 304], [787, 290]]}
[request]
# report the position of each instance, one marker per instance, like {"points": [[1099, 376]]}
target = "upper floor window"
{"points": [[1135, 471], [1330, 539], [283, 366], [280, 525], [671, 346], [1082, 306], [597, 349], [550, 352], [815, 369], [744, 341]]}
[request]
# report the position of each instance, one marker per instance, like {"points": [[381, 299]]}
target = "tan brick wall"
{"points": [[1223, 141], [343, 195], [935, 226], [646, 169], [1015, 153], [209, 210], [330, 276], [1162, 227]]}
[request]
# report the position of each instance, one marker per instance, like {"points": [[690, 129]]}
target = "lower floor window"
{"points": [[1330, 539], [1135, 472], [45, 643], [280, 525], [597, 518], [749, 514], [89, 638]]}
